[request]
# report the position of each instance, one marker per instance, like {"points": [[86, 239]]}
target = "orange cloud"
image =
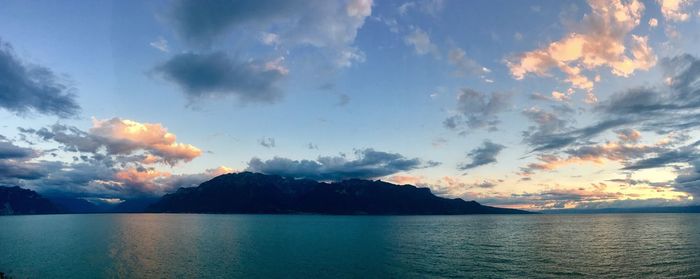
{"points": [[604, 40], [160, 146], [220, 170], [144, 179], [406, 179], [673, 9], [620, 151]]}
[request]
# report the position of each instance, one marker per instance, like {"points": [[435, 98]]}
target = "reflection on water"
{"points": [[196, 246]]}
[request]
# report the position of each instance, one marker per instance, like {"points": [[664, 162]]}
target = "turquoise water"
{"points": [[226, 246]]}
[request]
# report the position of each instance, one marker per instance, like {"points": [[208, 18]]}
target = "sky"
{"points": [[522, 104]]}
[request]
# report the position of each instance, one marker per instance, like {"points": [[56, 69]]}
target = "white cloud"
{"points": [[160, 44], [420, 40], [465, 65]]}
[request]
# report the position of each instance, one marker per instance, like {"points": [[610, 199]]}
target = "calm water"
{"points": [[496, 246]]}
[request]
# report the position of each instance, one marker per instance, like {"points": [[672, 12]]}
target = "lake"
{"points": [[271, 246]]}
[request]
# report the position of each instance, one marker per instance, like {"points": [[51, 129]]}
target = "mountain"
{"points": [[134, 205], [75, 205], [80, 205], [248, 192], [15, 200], [660, 209]]}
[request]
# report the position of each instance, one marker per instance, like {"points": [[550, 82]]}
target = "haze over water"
{"points": [[483, 246]]}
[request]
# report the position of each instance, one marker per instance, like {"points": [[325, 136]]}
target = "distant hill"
{"points": [[133, 205], [15, 200], [248, 192], [75, 205], [665, 209], [80, 205]]}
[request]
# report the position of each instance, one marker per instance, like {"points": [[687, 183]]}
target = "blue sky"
{"points": [[531, 104]]}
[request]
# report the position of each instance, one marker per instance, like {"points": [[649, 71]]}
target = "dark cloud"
{"points": [[634, 182], [12, 171], [202, 21], [367, 164], [15, 163], [11, 151], [546, 124], [669, 107], [331, 25], [216, 74], [689, 179], [486, 184], [478, 110], [267, 142], [343, 100], [483, 155], [683, 154], [555, 141], [27, 87], [312, 146]]}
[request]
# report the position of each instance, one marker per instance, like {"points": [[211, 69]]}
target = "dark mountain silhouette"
{"points": [[15, 200], [133, 205], [248, 192], [75, 205], [80, 205]]}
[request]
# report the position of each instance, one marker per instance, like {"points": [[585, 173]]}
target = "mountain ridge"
{"points": [[256, 193], [15, 200]]}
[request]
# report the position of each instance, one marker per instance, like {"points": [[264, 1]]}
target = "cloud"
{"points": [[26, 87], [465, 65], [689, 179], [148, 143], [368, 163], [476, 110], [653, 22], [115, 158], [439, 142], [420, 40], [628, 135], [568, 197], [97, 177], [160, 44], [683, 154], [100, 181], [267, 142], [669, 107], [603, 39], [483, 155], [330, 25], [151, 137], [15, 163], [217, 74], [10, 151], [626, 151], [12, 171], [430, 7], [343, 100], [546, 122], [674, 10]]}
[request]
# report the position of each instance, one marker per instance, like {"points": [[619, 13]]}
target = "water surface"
{"points": [[483, 246]]}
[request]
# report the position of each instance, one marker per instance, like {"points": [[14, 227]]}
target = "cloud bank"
{"points": [[368, 164]]}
